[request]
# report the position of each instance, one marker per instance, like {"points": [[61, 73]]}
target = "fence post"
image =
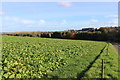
{"points": [[102, 71]]}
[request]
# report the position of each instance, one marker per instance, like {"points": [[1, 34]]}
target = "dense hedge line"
{"points": [[101, 34]]}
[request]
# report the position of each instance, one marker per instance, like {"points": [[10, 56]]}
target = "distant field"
{"points": [[30, 57]]}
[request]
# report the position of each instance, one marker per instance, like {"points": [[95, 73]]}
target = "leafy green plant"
{"points": [[32, 57]]}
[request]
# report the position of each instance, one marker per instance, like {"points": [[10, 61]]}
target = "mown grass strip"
{"points": [[82, 74], [110, 65]]}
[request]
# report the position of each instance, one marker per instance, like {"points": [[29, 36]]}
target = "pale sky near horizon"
{"points": [[57, 16]]}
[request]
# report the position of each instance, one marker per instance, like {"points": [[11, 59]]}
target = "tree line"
{"points": [[101, 34]]}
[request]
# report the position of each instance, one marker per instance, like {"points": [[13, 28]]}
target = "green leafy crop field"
{"points": [[31, 57]]}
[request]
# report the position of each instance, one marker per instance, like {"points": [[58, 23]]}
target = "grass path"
{"points": [[117, 48], [82, 74]]}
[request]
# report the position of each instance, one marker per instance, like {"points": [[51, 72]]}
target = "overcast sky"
{"points": [[57, 16]]}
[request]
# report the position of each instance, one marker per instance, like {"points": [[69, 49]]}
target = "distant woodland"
{"points": [[111, 34]]}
